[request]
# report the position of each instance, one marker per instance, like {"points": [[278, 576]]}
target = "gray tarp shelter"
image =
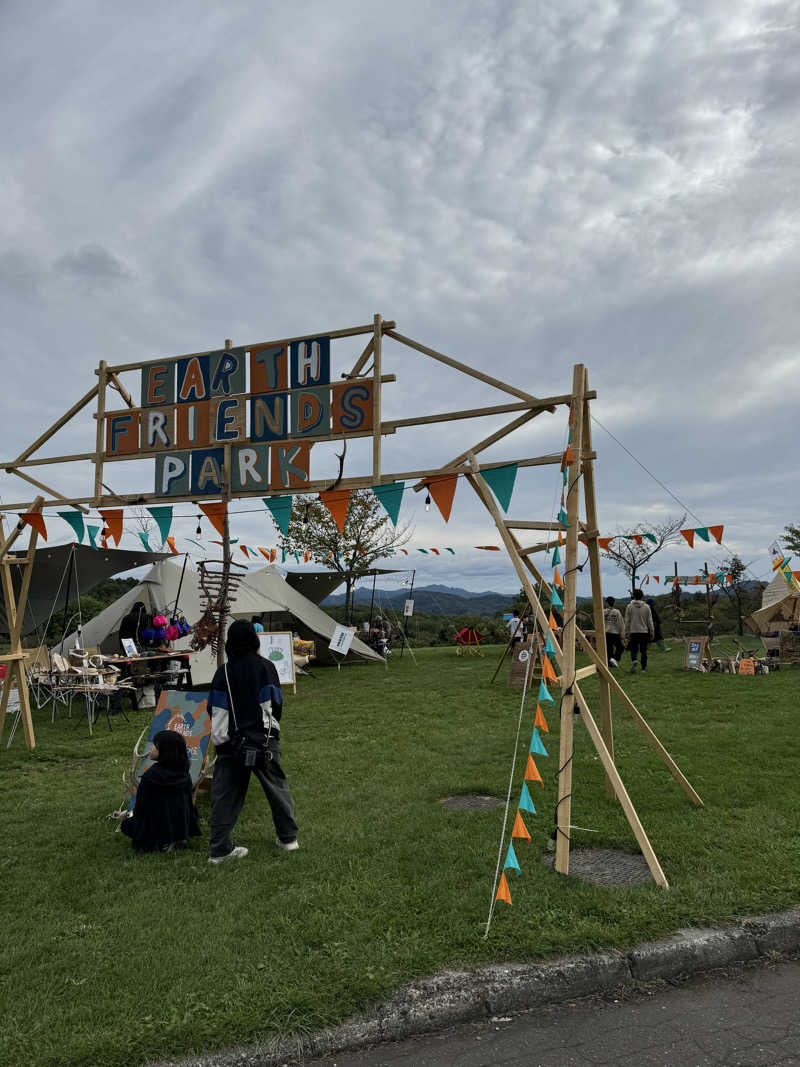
{"points": [[50, 577], [263, 593]]}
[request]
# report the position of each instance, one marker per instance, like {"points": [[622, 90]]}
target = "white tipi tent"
{"points": [[261, 592], [780, 607]]}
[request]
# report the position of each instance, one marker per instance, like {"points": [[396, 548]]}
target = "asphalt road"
{"points": [[744, 1016]]}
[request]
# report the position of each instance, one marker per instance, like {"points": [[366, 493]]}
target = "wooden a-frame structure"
{"points": [[525, 407]]}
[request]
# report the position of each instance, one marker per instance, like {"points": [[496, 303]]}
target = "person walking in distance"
{"points": [[658, 636], [614, 626], [638, 629], [246, 705]]}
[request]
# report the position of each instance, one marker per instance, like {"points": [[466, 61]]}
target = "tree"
{"points": [[631, 557], [368, 537], [735, 589], [791, 538]]}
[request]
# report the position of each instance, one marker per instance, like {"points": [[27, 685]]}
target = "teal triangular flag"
{"points": [[281, 508], [564, 477], [283, 555], [423, 550], [390, 496], [192, 540], [75, 519], [544, 695], [92, 531], [549, 647], [702, 533], [297, 557], [555, 599], [501, 481], [163, 517], [142, 537], [452, 551], [536, 744], [562, 518], [556, 556], [511, 859], [525, 801], [652, 537]]}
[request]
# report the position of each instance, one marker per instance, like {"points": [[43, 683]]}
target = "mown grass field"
{"points": [[114, 959]]}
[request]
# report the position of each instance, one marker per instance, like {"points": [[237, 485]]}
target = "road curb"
{"points": [[470, 996]]}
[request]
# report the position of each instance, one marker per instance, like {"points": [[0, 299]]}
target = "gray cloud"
{"points": [[521, 186]]}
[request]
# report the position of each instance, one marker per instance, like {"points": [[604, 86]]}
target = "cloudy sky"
{"points": [[522, 186]]}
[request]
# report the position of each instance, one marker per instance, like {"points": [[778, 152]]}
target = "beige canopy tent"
{"points": [[780, 607], [262, 593]]}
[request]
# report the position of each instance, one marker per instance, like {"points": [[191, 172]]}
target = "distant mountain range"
{"points": [[432, 599]]}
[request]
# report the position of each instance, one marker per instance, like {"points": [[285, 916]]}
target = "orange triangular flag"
{"points": [[540, 720], [36, 520], [113, 520], [560, 539], [503, 892], [172, 548], [246, 550], [306, 557], [637, 538], [716, 533], [604, 543], [265, 553], [443, 490], [532, 773], [551, 622], [567, 459], [215, 513], [656, 578], [548, 674], [337, 502], [557, 579], [104, 542], [520, 830], [689, 535]]}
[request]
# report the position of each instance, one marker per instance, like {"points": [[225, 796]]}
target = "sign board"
{"points": [[129, 646], [342, 639], [747, 666], [525, 660], [266, 402], [696, 653], [185, 713], [278, 649], [408, 609]]}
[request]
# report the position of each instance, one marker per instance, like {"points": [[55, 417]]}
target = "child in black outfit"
{"points": [[164, 817]]}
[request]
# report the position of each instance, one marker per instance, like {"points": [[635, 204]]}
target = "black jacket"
{"points": [[254, 692], [165, 813]]}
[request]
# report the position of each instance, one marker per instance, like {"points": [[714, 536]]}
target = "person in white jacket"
{"points": [[639, 629]]}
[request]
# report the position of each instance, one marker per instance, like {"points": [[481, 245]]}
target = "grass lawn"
{"points": [[109, 958]]}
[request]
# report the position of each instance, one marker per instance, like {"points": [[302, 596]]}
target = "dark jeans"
{"points": [[614, 647], [639, 643], [229, 788]]}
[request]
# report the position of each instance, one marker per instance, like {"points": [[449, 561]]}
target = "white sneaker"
{"points": [[237, 853], [287, 846], [613, 663]]}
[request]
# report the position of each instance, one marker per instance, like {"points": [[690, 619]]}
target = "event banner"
{"points": [[191, 408]]}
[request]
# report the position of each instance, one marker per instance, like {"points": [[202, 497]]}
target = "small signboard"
{"points": [[408, 609], [277, 648], [129, 646], [342, 639], [696, 653]]}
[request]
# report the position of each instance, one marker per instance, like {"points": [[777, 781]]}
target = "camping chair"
{"points": [[63, 680], [39, 675]]}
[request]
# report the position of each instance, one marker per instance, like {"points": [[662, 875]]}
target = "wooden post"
{"points": [[100, 433], [226, 546], [566, 744], [606, 725], [376, 400], [15, 615]]}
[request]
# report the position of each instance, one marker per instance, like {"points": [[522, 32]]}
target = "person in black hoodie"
{"points": [[164, 817], [246, 704]]}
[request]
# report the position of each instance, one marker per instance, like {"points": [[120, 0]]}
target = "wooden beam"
{"points": [[353, 331], [120, 388], [566, 741], [376, 401], [47, 489], [57, 425], [640, 721], [456, 365], [362, 360], [37, 505], [100, 432]]}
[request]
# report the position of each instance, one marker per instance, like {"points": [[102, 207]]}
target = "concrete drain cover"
{"points": [[471, 803], [606, 867]]}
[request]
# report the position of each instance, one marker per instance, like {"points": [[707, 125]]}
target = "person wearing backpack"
{"points": [[246, 705], [639, 629]]}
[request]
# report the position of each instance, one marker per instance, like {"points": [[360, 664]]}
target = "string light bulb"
{"points": [[199, 530], [428, 502]]}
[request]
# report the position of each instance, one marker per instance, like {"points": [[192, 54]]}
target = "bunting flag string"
{"points": [[443, 490], [35, 519]]}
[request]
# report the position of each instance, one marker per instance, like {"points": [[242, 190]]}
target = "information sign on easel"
{"points": [[408, 609], [341, 639], [278, 649], [697, 653]]}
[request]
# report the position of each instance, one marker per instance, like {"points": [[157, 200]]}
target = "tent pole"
{"points": [[66, 599], [180, 585], [372, 600]]}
